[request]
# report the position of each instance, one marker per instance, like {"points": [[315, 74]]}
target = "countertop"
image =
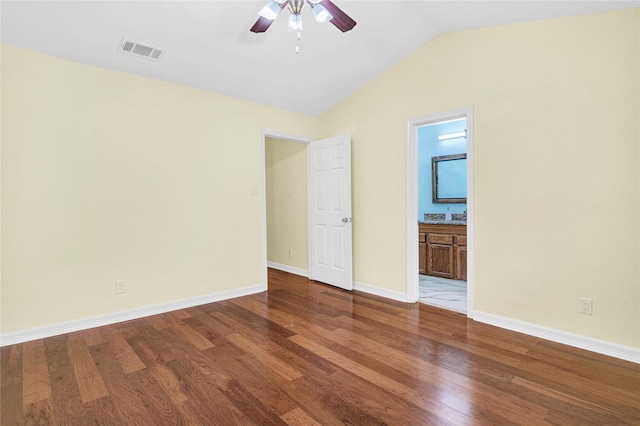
{"points": [[442, 222]]}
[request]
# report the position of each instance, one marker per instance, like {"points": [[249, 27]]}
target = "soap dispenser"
{"points": [[447, 215]]}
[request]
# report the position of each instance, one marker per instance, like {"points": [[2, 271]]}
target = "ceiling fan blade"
{"points": [[263, 24], [341, 20]]}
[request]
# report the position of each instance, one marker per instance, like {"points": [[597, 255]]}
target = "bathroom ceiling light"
{"points": [[462, 134]]}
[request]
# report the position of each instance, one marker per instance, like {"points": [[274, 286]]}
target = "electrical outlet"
{"points": [[290, 253], [586, 306], [121, 286]]}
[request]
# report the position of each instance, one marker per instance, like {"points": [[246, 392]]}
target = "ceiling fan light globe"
{"points": [[295, 22], [270, 10], [314, 1], [321, 14], [279, 1]]}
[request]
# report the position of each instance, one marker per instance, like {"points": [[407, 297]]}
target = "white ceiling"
{"points": [[208, 44]]}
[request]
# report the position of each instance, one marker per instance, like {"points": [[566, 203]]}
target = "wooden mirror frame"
{"points": [[434, 179]]}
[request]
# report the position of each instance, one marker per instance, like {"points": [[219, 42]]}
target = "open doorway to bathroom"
{"points": [[442, 214]]}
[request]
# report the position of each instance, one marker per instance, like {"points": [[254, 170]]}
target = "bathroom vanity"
{"points": [[443, 249]]}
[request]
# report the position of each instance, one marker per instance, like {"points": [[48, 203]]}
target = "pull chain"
{"points": [[298, 43]]}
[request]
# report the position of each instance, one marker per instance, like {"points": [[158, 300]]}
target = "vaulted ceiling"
{"points": [[207, 44]]}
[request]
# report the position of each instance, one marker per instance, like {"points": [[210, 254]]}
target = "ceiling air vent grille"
{"points": [[140, 50]]}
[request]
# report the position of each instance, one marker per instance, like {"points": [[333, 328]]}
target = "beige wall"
{"points": [[556, 167], [287, 222], [109, 176]]}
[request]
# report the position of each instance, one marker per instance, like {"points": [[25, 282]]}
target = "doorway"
{"points": [[442, 214], [439, 218], [279, 252], [286, 202], [306, 207]]}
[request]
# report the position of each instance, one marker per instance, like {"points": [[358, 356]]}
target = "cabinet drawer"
{"points": [[461, 240], [440, 239], [422, 237]]}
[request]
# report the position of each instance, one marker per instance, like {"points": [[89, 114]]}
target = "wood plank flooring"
{"points": [[304, 353]]}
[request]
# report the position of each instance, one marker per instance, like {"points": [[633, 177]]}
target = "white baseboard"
{"points": [[594, 345], [86, 323], [289, 269], [377, 291]]}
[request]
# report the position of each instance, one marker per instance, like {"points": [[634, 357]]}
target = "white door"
{"points": [[330, 223]]}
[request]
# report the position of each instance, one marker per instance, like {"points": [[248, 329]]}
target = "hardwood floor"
{"points": [[305, 354]]}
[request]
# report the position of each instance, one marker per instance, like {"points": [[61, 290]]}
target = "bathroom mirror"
{"points": [[449, 178]]}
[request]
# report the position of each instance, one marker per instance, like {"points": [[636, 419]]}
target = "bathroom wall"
{"points": [[429, 146]]}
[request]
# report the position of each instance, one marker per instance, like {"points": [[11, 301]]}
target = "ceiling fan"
{"points": [[323, 11]]}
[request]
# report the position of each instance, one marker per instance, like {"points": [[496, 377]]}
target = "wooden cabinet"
{"points": [[445, 254]]}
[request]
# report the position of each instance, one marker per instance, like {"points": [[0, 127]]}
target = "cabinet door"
{"points": [[461, 262], [422, 260], [422, 253], [440, 260]]}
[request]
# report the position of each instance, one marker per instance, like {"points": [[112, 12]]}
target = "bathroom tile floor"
{"points": [[444, 293]]}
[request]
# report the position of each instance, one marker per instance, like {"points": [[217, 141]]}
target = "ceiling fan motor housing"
{"points": [[296, 6]]}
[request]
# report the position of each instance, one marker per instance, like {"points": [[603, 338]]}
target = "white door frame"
{"points": [[412, 200], [264, 134]]}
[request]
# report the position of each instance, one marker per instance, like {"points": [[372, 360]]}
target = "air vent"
{"points": [[140, 50]]}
